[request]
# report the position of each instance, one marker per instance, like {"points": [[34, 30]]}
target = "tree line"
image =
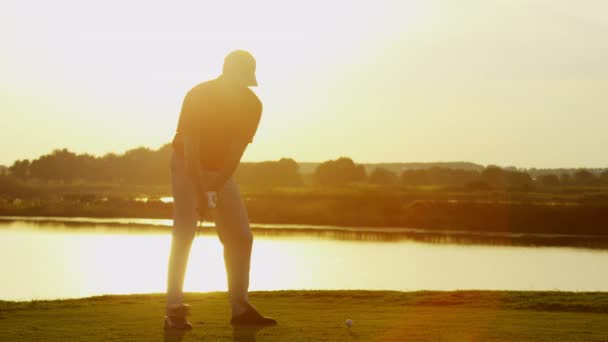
{"points": [[146, 166]]}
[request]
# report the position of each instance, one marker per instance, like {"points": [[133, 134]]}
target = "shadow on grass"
{"points": [[239, 334], [170, 335], [245, 334]]}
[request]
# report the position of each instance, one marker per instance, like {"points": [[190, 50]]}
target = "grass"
{"points": [[320, 316]]}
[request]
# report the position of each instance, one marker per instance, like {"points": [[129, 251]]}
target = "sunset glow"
{"points": [[412, 80]]}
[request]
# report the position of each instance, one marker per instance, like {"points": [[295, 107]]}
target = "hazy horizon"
{"points": [[343, 155], [507, 83]]}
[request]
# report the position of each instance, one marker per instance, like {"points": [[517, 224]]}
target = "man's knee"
{"points": [[184, 233], [242, 239], [184, 221]]}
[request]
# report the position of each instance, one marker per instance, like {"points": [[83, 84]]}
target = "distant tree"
{"points": [[341, 171], [415, 177], [584, 177], [145, 166], [108, 169], [497, 177], [60, 165], [136, 166], [550, 180], [20, 169], [288, 172], [450, 177], [518, 179], [565, 179], [604, 177], [437, 175], [382, 176], [284, 172], [494, 176]]}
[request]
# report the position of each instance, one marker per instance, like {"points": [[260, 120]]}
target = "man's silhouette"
{"points": [[218, 120]]}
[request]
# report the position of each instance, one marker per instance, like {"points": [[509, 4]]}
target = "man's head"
{"points": [[239, 68]]}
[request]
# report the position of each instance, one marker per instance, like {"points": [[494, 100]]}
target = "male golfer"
{"points": [[218, 120]]}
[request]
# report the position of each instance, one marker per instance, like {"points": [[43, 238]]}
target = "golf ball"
{"points": [[349, 322]]}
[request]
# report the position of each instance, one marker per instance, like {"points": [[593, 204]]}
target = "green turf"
{"points": [[320, 316]]}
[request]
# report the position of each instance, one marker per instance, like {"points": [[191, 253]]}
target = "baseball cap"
{"points": [[241, 63]]}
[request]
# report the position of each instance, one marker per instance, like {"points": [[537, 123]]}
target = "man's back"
{"points": [[214, 114]]}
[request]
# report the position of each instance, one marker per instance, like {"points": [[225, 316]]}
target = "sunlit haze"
{"points": [[494, 82]]}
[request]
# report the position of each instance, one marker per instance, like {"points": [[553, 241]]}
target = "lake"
{"points": [[45, 258]]}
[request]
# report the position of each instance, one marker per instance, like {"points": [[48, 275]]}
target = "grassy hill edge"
{"points": [[596, 302]]}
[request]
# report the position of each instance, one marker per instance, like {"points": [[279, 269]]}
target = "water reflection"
{"points": [[45, 260], [462, 238], [166, 199], [327, 232]]}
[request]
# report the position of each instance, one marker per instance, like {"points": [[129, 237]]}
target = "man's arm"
{"points": [[193, 168], [233, 157], [245, 131]]}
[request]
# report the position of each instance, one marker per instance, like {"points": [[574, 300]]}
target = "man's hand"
{"points": [[231, 161], [206, 194], [211, 199], [206, 202]]}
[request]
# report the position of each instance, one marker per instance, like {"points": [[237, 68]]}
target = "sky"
{"points": [[505, 82]]}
